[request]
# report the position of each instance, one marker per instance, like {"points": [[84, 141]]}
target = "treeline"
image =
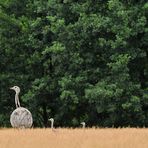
{"points": [[75, 60]]}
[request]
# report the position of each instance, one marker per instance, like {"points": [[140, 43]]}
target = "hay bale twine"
{"points": [[21, 118]]}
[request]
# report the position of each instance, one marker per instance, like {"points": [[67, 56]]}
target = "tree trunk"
{"points": [[45, 117]]}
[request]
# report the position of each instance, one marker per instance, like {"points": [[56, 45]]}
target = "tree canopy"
{"points": [[75, 61]]}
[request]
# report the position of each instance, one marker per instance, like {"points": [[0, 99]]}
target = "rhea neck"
{"points": [[52, 122], [17, 102], [83, 125]]}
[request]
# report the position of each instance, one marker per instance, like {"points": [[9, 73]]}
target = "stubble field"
{"points": [[74, 138]]}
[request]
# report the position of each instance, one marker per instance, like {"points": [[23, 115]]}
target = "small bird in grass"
{"points": [[83, 125], [52, 124]]}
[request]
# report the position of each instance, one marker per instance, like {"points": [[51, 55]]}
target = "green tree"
{"points": [[75, 60]]}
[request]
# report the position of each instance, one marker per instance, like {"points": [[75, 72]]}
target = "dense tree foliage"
{"points": [[75, 61]]}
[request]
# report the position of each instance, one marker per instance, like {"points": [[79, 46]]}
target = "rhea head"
{"points": [[51, 119], [16, 89], [83, 124]]}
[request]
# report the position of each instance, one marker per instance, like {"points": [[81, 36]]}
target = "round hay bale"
{"points": [[21, 118]]}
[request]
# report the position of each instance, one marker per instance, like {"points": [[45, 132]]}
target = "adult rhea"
{"points": [[20, 117]]}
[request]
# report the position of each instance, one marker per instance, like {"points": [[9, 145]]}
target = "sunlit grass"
{"points": [[74, 138]]}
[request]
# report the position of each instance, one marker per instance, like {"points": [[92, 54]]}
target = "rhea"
{"points": [[20, 117], [52, 122], [83, 124]]}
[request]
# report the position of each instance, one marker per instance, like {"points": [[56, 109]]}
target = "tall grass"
{"points": [[74, 138]]}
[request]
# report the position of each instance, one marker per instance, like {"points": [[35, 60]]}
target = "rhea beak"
{"points": [[11, 87]]}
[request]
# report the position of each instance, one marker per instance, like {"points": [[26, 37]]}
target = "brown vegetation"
{"points": [[74, 138]]}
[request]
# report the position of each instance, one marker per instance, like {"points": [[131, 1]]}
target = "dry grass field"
{"points": [[74, 138]]}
